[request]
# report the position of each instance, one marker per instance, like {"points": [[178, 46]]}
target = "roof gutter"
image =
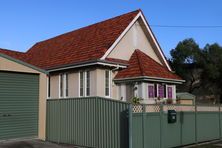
{"points": [[89, 63], [147, 78]]}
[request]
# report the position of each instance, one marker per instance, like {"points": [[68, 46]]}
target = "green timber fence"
{"points": [[150, 127], [91, 122], [107, 123]]}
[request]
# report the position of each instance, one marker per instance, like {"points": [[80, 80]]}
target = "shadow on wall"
{"points": [[124, 129]]}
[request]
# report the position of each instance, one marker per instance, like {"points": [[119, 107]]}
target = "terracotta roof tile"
{"points": [[15, 54], [120, 61], [88, 43], [141, 64]]}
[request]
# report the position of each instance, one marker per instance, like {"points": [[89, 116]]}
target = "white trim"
{"points": [[127, 29], [89, 64], [86, 83], [155, 42], [80, 84], [59, 86], [121, 36], [65, 76], [154, 79], [110, 85]]}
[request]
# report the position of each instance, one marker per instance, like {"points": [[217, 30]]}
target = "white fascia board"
{"points": [[153, 79], [88, 64], [155, 42], [150, 32], [121, 36]]}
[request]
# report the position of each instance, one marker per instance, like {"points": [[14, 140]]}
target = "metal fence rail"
{"points": [[92, 122], [107, 123], [150, 127]]}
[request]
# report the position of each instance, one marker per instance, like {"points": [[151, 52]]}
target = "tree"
{"points": [[185, 62], [201, 68], [211, 63]]}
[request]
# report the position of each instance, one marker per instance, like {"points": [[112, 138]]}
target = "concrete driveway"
{"points": [[33, 144]]}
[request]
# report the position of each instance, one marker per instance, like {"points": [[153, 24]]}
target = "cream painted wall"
{"points": [[54, 86], [73, 84], [100, 81], [8, 65], [135, 38]]}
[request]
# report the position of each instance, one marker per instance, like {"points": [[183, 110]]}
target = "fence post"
{"points": [[130, 127], [59, 123], [161, 126], [196, 140], [143, 124]]}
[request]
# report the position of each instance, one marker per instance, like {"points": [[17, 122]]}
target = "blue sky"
{"points": [[25, 22]]}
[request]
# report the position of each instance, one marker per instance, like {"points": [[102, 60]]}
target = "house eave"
{"points": [[88, 63], [150, 79], [22, 63]]}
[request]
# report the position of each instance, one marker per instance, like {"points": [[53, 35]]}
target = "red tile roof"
{"points": [[88, 43], [120, 61], [141, 64], [14, 54]]}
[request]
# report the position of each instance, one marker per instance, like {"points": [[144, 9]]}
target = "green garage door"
{"points": [[19, 93]]}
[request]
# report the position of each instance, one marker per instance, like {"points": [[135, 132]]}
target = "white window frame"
{"points": [[66, 85], [80, 84], [84, 83], [60, 75], [64, 77], [110, 85]]}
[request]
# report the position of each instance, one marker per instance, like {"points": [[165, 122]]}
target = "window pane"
{"points": [[151, 92], [61, 85], [170, 92], [107, 83], [88, 83], [81, 83], [161, 91]]}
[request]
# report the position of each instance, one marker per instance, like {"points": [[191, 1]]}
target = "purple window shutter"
{"points": [[161, 91], [170, 92], [151, 91]]}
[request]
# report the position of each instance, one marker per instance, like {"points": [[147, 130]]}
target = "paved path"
{"points": [[32, 144], [208, 145]]}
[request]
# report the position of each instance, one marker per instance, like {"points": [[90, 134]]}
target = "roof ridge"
{"points": [[139, 62], [9, 50], [152, 59]]}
